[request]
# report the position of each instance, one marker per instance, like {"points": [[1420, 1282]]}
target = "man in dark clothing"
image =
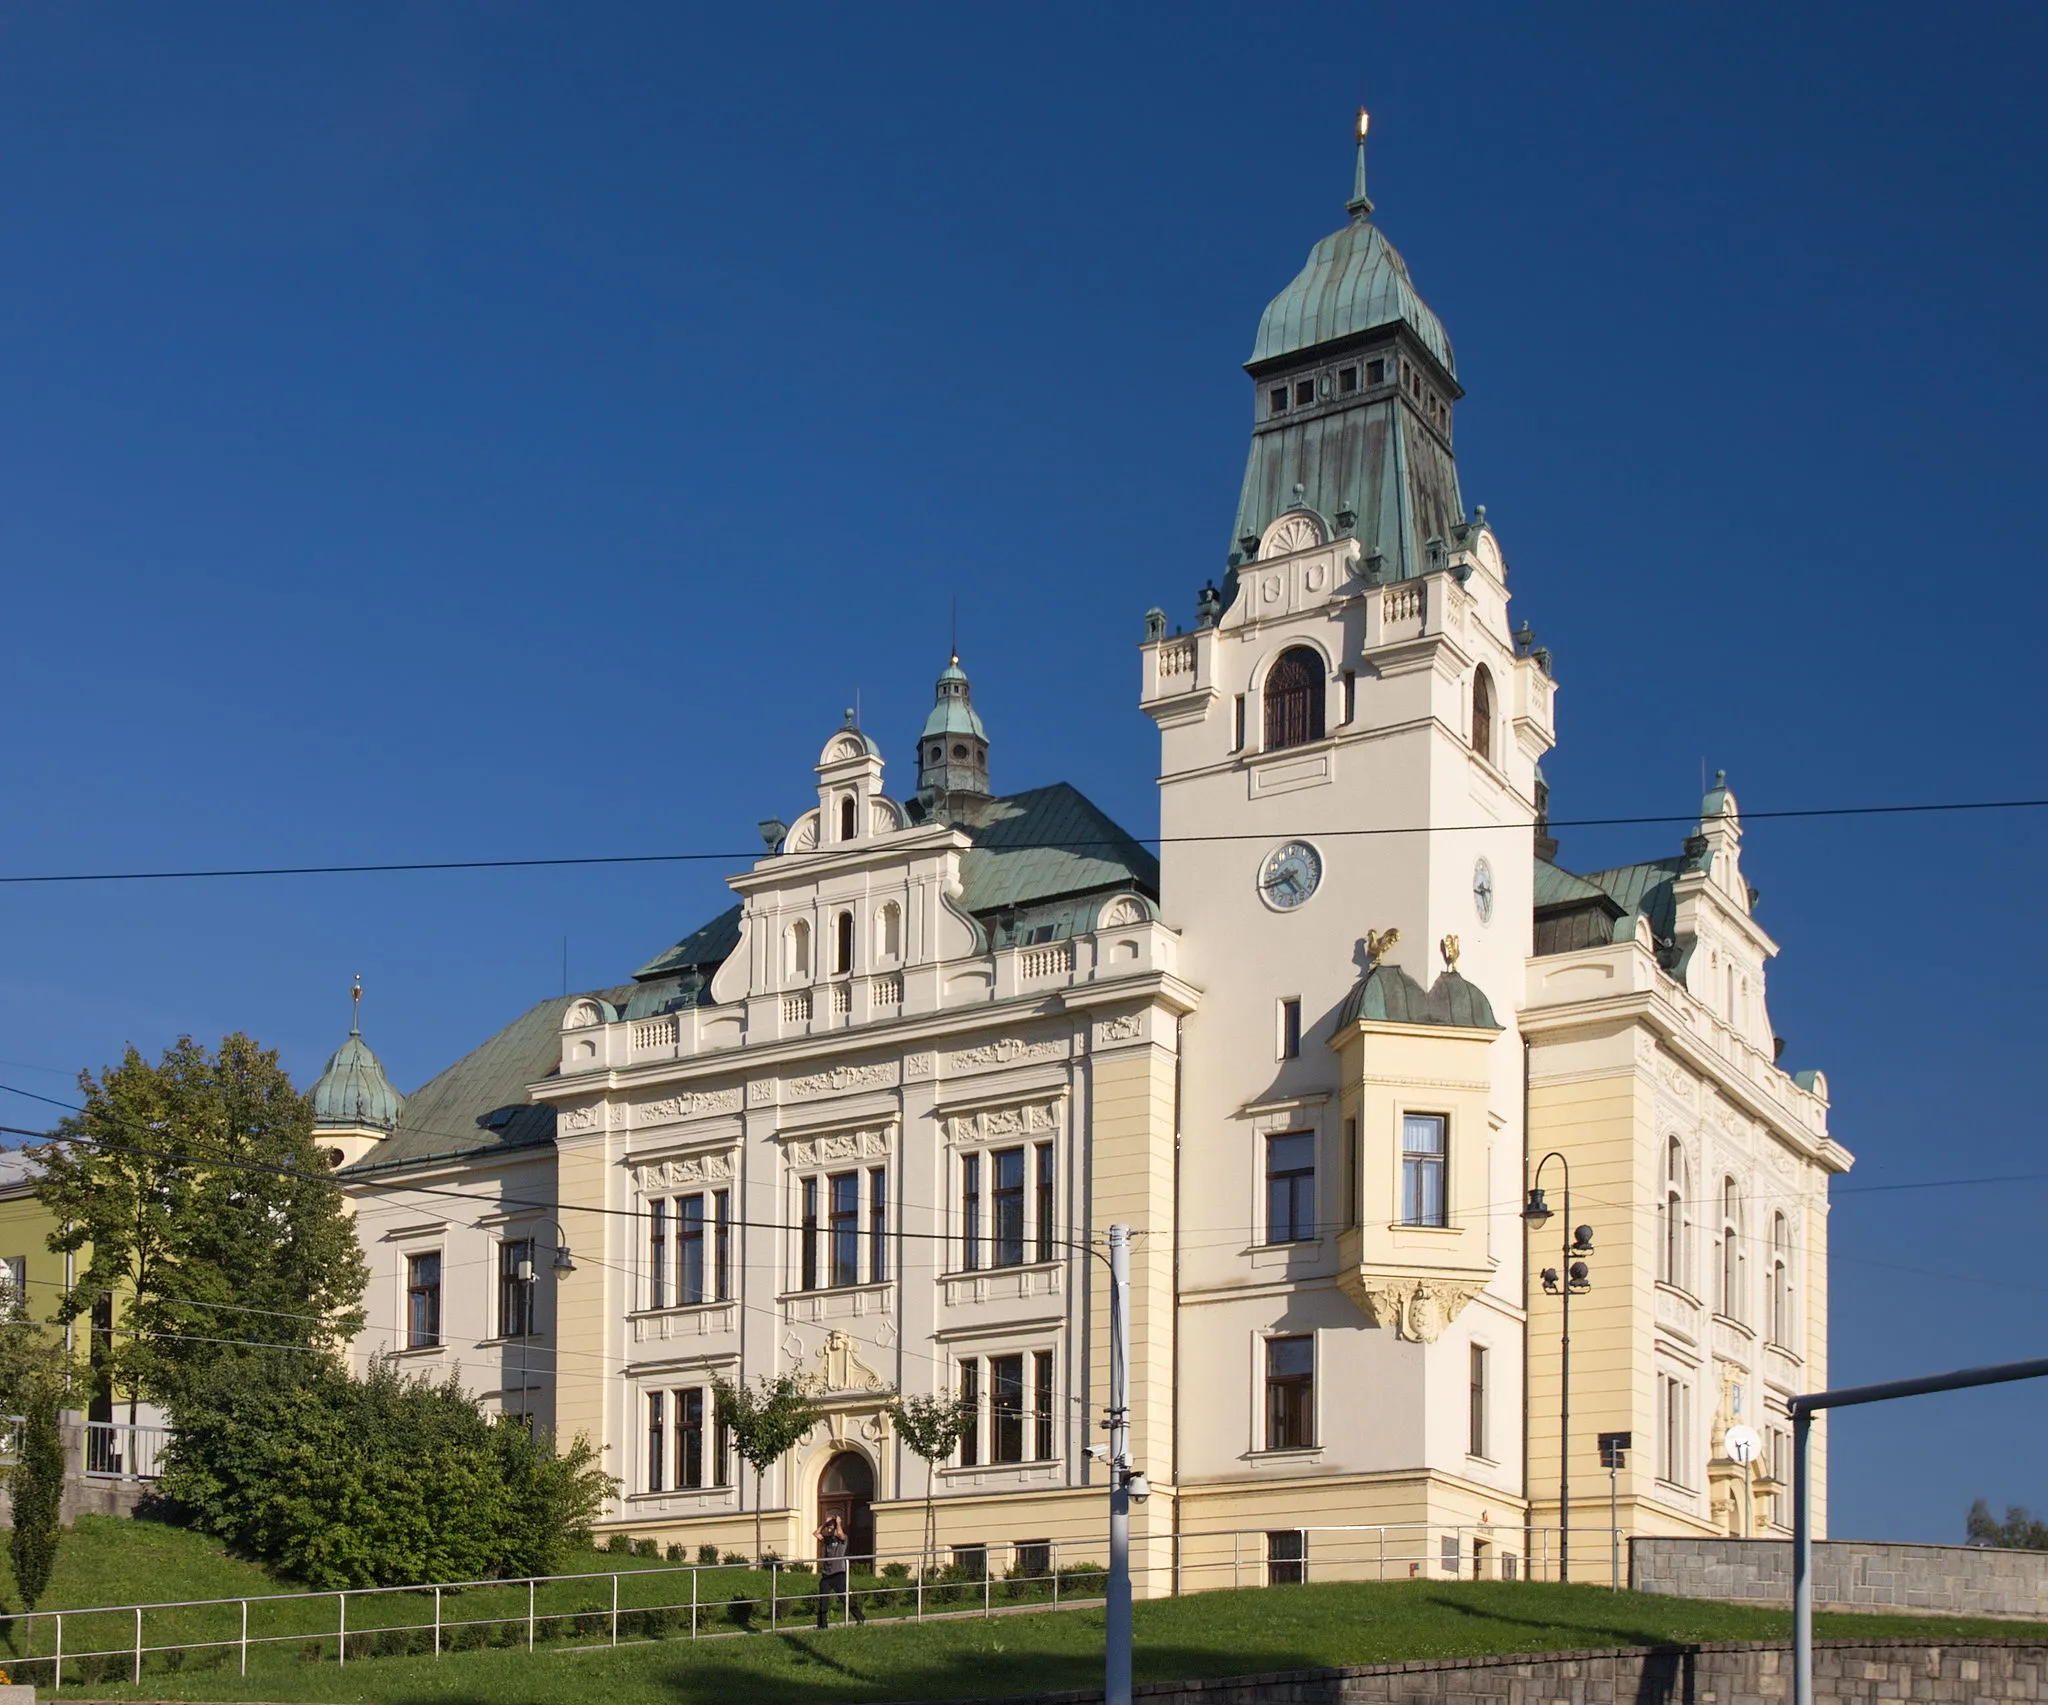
{"points": [[833, 1580]]}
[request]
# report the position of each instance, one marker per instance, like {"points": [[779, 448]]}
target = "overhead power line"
{"points": [[1097, 844]]}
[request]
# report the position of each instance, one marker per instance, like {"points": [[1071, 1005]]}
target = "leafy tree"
{"points": [[379, 1481], [932, 1427], [2018, 1532], [763, 1422], [215, 1263], [36, 1376]]}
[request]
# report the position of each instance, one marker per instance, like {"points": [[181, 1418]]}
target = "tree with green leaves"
{"points": [[36, 1380], [764, 1421], [210, 1216], [2018, 1532], [932, 1428]]}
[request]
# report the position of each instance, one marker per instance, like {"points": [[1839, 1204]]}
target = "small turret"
{"points": [[952, 752], [355, 1106]]}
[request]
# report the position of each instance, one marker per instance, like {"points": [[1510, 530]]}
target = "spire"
{"points": [[354, 1093], [1360, 203], [355, 1011]]}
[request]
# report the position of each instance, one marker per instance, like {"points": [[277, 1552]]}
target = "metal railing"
{"points": [[116, 1451], [658, 1600]]}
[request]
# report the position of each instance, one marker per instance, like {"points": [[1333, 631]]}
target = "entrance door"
{"points": [[847, 1490]]}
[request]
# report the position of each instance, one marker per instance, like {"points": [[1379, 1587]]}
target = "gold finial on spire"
{"points": [[1360, 203], [1364, 121], [1448, 947], [355, 1011]]}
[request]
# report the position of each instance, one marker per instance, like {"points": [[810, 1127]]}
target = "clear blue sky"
{"points": [[503, 430]]}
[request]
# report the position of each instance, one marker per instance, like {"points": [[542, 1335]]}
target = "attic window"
{"points": [[1375, 372], [1279, 399], [1347, 379], [498, 1118], [1304, 390], [1039, 934]]}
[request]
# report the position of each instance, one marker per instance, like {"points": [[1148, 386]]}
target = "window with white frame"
{"points": [[687, 1445], [13, 1281], [423, 1300], [889, 932], [1674, 1228], [1007, 1205], [1290, 1378], [844, 1216], [1425, 1161], [1291, 1187], [1782, 1324], [689, 1249], [1734, 1257], [796, 950], [1674, 1430], [515, 1287], [1012, 1413]]}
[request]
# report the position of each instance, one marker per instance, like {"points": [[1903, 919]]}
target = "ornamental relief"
{"points": [[719, 1167], [836, 1146], [918, 1065], [840, 1079], [1120, 1029], [1417, 1309], [690, 1104], [991, 1124], [1010, 1051], [585, 1118]]}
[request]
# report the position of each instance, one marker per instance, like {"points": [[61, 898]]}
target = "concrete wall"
{"points": [[1741, 1673], [1955, 1580]]}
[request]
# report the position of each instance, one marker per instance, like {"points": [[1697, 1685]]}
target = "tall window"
{"points": [[1674, 1397], [689, 1256], [1020, 1424], [1672, 1228], [1287, 1557], [842, 943], [1291, 1187], [1781, 1280], [1044, 1202], [1290, 1029], [831, 1234], [1733, 1260], [1290, 1393], [845, 1211], [1353, 1183], [515, 1288], [423, 1300], [690, 1249], [889, 931], [807, 1264], [1476, 1399], [970, 1212], [657, 1438], [970, 1400], [657, 1254], [1006, 1408], [1008, 1168], [1044, 1444], [797, 949], [847, 819], [1425, 1148], [1294, 699], [1482, 712], [684, 1419], [878, 1224]]}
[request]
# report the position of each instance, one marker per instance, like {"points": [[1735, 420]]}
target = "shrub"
{"points": [[734, 1560], [896, 1571], [37, 1488], [706, 1553], [618, 1545], [740, 1612], [646, 1548], [675, 1552]]}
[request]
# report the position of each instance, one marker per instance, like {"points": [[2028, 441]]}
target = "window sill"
{"points": [[508, 1338], [1679, 1292], [1734, 1325], [992, 1272], [1286, 1453], [420, 1350], [1426, 1225], [874, 1287], [695, 1307]]}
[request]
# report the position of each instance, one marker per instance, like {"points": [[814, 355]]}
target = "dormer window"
{"points": [[1294, 699], [1277, 402], [1304, 391]]}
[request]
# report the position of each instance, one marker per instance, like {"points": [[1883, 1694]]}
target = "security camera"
{"points": [[1099, 1452], [1138, 1486]]}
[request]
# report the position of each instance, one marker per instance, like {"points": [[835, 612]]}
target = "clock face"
{"points": [[1482, 890], [1290, 875]]}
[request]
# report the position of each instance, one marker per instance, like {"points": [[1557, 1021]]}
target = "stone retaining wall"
{"points": [[1956, 1580], [1728, 1673]]}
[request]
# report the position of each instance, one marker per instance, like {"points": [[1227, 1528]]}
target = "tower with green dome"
{"points": [[355, 1106], [1354, 382], [952, 752]]}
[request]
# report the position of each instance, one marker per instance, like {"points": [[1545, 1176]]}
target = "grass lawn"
{"points": [[1208, 1634]]}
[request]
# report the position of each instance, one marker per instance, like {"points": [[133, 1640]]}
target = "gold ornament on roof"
{"points": [[1378, 943], [1448, 947]]}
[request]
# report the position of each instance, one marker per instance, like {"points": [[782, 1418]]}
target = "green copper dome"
{"points": [[953, 706], [1355, 281], [353, 1093]]}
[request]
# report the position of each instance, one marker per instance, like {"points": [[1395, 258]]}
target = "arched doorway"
{"points": [[847, 1489]]}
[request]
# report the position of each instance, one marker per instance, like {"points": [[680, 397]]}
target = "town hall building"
{"points": [[870, 1124]]}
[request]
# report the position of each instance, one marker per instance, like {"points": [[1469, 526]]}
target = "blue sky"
{"points": [[494, 430]]}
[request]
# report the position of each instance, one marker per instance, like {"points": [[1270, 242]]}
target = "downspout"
{"points": [[1528, 1508], [1173, 1448]]}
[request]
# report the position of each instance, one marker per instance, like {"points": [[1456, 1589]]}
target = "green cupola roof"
{"points": [[353, 1093], [953, 704], [1355, 281], [952, 752]]}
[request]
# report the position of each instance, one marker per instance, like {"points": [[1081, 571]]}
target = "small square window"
{"points": [[1304, 390], [1278, 399], [1375, 372], [1347, 379]]}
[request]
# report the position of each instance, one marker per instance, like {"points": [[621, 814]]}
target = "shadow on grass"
{"points": [[1596, 1633]]}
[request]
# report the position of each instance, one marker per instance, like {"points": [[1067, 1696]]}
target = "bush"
{"points": [[896, 1571], [1084, 1580], [740, 1612], [378, 1481], [676, 1553], [646, 1548], [733, 1559], [707, 1554], [618, 1545]]}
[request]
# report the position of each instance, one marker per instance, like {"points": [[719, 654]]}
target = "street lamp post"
{"points": [[1575, 1278], [526, 1275]]}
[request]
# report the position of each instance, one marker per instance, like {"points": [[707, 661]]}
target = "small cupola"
{"points": [[850, 788], [354, 1104], [952, 752]]}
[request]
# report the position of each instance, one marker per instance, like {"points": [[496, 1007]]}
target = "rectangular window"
{"points": [[970, 1212], [1006, 1408], [1477, 1418], [657, 1437], [1290, 1393], [1286, 1557], [721, 1254], [845, 1188], [657, 1254], [1353, 1206], [878, 1224], [690, 1249], [1237, 734], [690, 1437], [14, 1280], [1350, 695], [1375, 372], [1304, 391], [1031, 1559], [1291, 1187], [1673, 1397], [1290, 1029], [1044, 1205], [971, 1560], [970, 1400], [1045, 1446], [1425, 1146], [809, 1276], [515, 1288], [1277, 399], [1007, 1165], [1347, 379], [1452, 1552], [423, 1301]]}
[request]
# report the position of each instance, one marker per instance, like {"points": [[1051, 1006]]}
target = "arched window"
{"points": [[847, 816], [1294, 699], [889, 931], [1482, 713], [842, 946], [1732, 1260], [1671, 1224], [1781, 1280], [797, 949]]}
